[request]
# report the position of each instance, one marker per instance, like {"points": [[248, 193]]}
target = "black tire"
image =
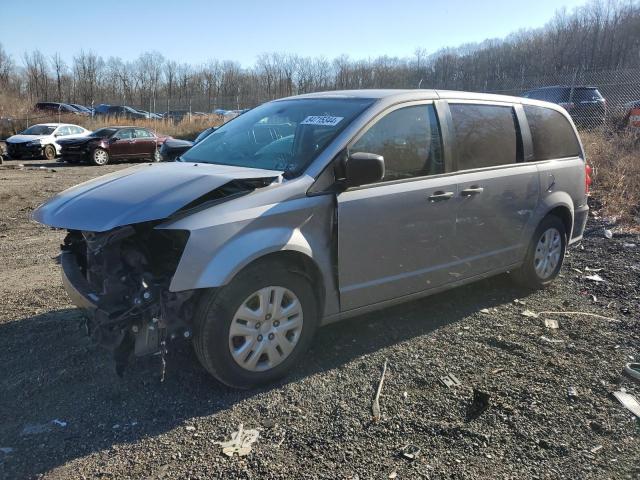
{"points": [[526, 275], [49, 152], [216, 312], [99, 157]]}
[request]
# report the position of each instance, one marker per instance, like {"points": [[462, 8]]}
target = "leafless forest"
{"points": [[604, 35]]}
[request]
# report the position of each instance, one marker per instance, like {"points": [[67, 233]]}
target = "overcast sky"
{"points": [[196, 30]]}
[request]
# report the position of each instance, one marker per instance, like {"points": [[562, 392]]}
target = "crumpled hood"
{"points": [[138, 194], [25, 138]]}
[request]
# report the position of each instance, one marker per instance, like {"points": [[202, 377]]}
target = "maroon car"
{"points": [[113, 143]]}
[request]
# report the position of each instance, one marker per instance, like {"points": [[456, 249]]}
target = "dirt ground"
{"points": [[65, 414]]}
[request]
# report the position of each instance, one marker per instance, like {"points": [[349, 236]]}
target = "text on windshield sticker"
{"points": [[324, 120]]}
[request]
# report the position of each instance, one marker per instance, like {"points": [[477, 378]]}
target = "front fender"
{"points": [[239, 252]]}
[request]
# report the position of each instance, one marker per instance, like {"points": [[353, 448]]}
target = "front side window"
{"points": [[484, 135], [285, 135], [408, 139], [125, 134], [551, 134]]}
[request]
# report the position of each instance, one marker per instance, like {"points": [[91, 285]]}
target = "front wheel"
{"points": [[49, 152], [100, 157], [545, 254], [258, 327]]}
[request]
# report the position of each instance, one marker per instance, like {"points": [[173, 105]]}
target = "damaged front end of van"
{"points": [[117, 258]]}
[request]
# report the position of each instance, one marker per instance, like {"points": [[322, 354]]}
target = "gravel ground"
{"points": [[318, 422]]}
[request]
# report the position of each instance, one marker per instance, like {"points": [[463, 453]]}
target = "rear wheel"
{"points": [[255, 329], [100, 157], [49, 152], [545, 254]]}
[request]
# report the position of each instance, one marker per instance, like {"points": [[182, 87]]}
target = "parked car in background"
{"points": [[43, 140], [122, 111], [114, 143], [586, 105], [174, 147], [57, 107], [380, 197], [149, 115], [82, 108]]}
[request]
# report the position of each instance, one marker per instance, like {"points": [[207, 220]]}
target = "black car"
{"points": [[586, 105], [122, 111], [173, 147], [57, 107]]}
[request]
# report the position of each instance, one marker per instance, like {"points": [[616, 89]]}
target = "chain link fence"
{"points": [[620, 90]]}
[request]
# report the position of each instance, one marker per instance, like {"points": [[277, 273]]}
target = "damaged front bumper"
{"points": [[121, 280], [76, 284]]}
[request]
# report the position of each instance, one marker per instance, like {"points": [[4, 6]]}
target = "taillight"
{"points": [[587, 178]]}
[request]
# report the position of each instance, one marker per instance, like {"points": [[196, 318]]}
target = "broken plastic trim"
{"points": [[228, 191]]}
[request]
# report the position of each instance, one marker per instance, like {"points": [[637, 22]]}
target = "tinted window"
{"points": [[104, 132], [484, 135], [409, 141], [551, 134], [586, 95]]}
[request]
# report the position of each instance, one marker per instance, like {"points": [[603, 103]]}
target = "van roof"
{"points": [[409, 94]]}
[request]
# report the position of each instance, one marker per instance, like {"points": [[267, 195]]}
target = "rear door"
{"points": [[145, 142], [498, 192], [396, 237]]}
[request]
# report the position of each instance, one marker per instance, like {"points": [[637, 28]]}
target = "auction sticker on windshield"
{"points": [[324, 120]]}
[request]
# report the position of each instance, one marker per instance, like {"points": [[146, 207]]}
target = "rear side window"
{"points": [[142, 133], [551, 134], [409, 140], [484, 135], [586, 95]]}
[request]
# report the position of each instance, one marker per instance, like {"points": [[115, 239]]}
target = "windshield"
{"points": [[284, 135], [39, 130], [104, 132]]}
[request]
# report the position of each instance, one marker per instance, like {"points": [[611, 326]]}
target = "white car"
{"points": [[40, 140]]}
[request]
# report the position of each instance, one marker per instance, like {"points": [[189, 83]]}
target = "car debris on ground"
{"points": [[410, 451], [632, 370], [240, 442], [450, 380], [628, 401], [479, 404]]}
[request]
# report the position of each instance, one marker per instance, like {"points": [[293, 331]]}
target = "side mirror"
{"points": [[114, 139], [362, 168]]}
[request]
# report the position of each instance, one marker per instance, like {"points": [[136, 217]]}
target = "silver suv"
{"points": [[315, 208]]}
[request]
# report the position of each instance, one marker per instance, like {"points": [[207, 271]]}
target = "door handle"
{"points": [[440, 196], [474, 190]]}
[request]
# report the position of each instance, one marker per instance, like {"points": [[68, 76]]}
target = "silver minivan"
{"points": [[315, 208]]}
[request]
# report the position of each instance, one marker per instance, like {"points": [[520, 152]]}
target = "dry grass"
{"points": [[615, 159]]}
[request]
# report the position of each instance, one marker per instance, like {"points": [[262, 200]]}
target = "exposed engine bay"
{"points": [[128, 271]]}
